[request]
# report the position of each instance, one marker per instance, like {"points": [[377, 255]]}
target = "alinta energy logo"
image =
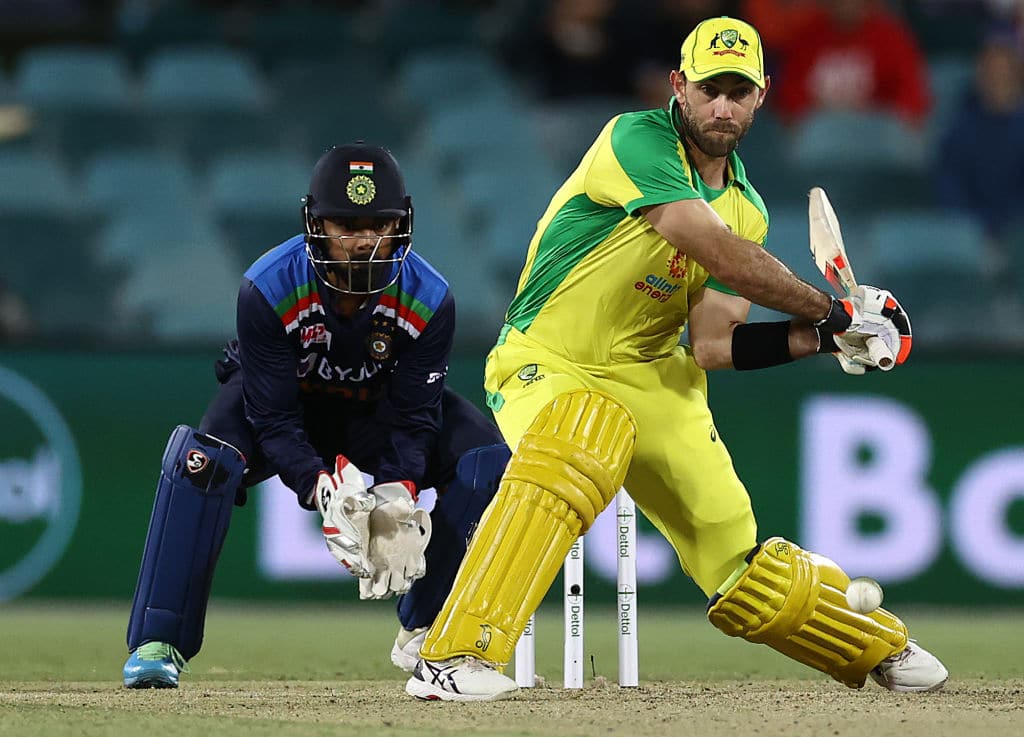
{"points": [[40, 485]]}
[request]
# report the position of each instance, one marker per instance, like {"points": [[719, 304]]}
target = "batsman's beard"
{"points": [[713, 145]]}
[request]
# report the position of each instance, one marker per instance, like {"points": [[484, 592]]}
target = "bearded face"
{"points": [[713, 136]]}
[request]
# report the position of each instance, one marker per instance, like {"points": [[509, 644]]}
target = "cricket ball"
{"points": [[864, 595]]}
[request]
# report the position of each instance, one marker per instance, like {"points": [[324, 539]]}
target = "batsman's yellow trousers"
{"points": [[681, 475]]}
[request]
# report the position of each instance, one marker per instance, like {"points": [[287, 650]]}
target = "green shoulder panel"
{"points": [[650, 154]]}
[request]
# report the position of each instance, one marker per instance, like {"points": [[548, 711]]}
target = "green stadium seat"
{"points": [[950, 79], [137, 177], [67, 77], [435, 78], [317, 120], [408, 27], [181, 279], [479, 133], [304, 32], [31, 181], [51, 253], [566, 130], [935, 263], [256, 199], [205, 101], [863, 160], [213, 78]]}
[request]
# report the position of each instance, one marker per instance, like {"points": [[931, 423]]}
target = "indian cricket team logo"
{"points": [[40, 485], [378, 342], [380, 346], [676, 265], [361, 189]]}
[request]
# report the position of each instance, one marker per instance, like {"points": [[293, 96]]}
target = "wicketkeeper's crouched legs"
{"points": [[794, 601], [565, 470], [198, 480]]}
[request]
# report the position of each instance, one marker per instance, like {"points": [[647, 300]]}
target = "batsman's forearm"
{"points": [[760, 277]]}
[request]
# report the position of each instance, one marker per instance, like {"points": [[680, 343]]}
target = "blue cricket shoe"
{"points": [[154, 665]]}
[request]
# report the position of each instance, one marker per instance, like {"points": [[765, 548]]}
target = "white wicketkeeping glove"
{"points": [[399, 533], [879, 336], [345, 505]]}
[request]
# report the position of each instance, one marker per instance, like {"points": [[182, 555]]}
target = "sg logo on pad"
{"points": [[196, 461]]}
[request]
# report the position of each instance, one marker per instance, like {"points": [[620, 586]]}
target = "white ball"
{"points": [[864, 595]]}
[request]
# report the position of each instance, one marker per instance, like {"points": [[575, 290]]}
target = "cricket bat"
{"points": [[829, 254]]}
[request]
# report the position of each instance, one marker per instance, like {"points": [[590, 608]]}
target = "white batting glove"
{"points": [[345, 504], [399, 533], [876, 315], [847, 360]]}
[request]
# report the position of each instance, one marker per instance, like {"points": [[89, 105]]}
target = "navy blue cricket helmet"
{"points": [[358, 180]]}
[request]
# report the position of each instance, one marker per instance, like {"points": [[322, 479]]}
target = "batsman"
{"points": [[659, 228]]}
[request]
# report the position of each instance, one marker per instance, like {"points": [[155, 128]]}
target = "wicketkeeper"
{"points": [[338, 368]]}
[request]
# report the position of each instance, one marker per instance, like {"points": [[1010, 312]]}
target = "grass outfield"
{"points": [[282, 671]]}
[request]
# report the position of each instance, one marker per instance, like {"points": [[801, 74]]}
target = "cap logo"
{"points": [[729, 38], [361, 189]]}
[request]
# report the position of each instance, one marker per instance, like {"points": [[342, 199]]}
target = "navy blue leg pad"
{"points": [[458, 509], [198, 479]]}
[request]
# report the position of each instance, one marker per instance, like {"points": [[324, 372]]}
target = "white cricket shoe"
{"points": [[912, 669], [406, 651], [464, 678]]}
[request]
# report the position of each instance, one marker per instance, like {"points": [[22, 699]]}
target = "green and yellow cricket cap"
{"points": [[722, 45]]}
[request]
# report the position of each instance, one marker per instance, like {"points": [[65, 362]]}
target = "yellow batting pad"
{"points": [[566, 469], [795, 602]]}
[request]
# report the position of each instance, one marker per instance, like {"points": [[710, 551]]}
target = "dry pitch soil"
{"points": [[977, 707]]}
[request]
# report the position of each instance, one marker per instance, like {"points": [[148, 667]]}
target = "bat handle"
{"points": [[880, 353]]}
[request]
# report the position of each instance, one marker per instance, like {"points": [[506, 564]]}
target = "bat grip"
{"points": [[880, 353]]}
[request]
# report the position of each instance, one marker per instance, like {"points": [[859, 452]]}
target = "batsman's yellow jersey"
{"points": [[600, 285], [601, 303]]}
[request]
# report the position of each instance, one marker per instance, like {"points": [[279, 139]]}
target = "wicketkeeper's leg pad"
{"points": [[566, 469], [794, 601], [198, 479]]}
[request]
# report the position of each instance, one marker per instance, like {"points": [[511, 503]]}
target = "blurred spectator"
{"points": [[980, 159], [653, 32], [853, 55], [577, 50], [780, 23], [15, 322]]}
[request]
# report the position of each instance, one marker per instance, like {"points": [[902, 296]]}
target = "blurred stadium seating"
{"points": [[189, 138]]}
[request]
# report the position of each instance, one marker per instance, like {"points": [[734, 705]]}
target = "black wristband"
{"points": [[826, 341], [837, 320], [760, 345]]}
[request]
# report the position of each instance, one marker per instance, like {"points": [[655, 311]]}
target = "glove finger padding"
{"points": [[345, 505], [399, 534]]}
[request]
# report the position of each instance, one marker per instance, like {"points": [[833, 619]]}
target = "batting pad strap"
{"points": [[760, 345], [547, 498], [795, 602]]}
